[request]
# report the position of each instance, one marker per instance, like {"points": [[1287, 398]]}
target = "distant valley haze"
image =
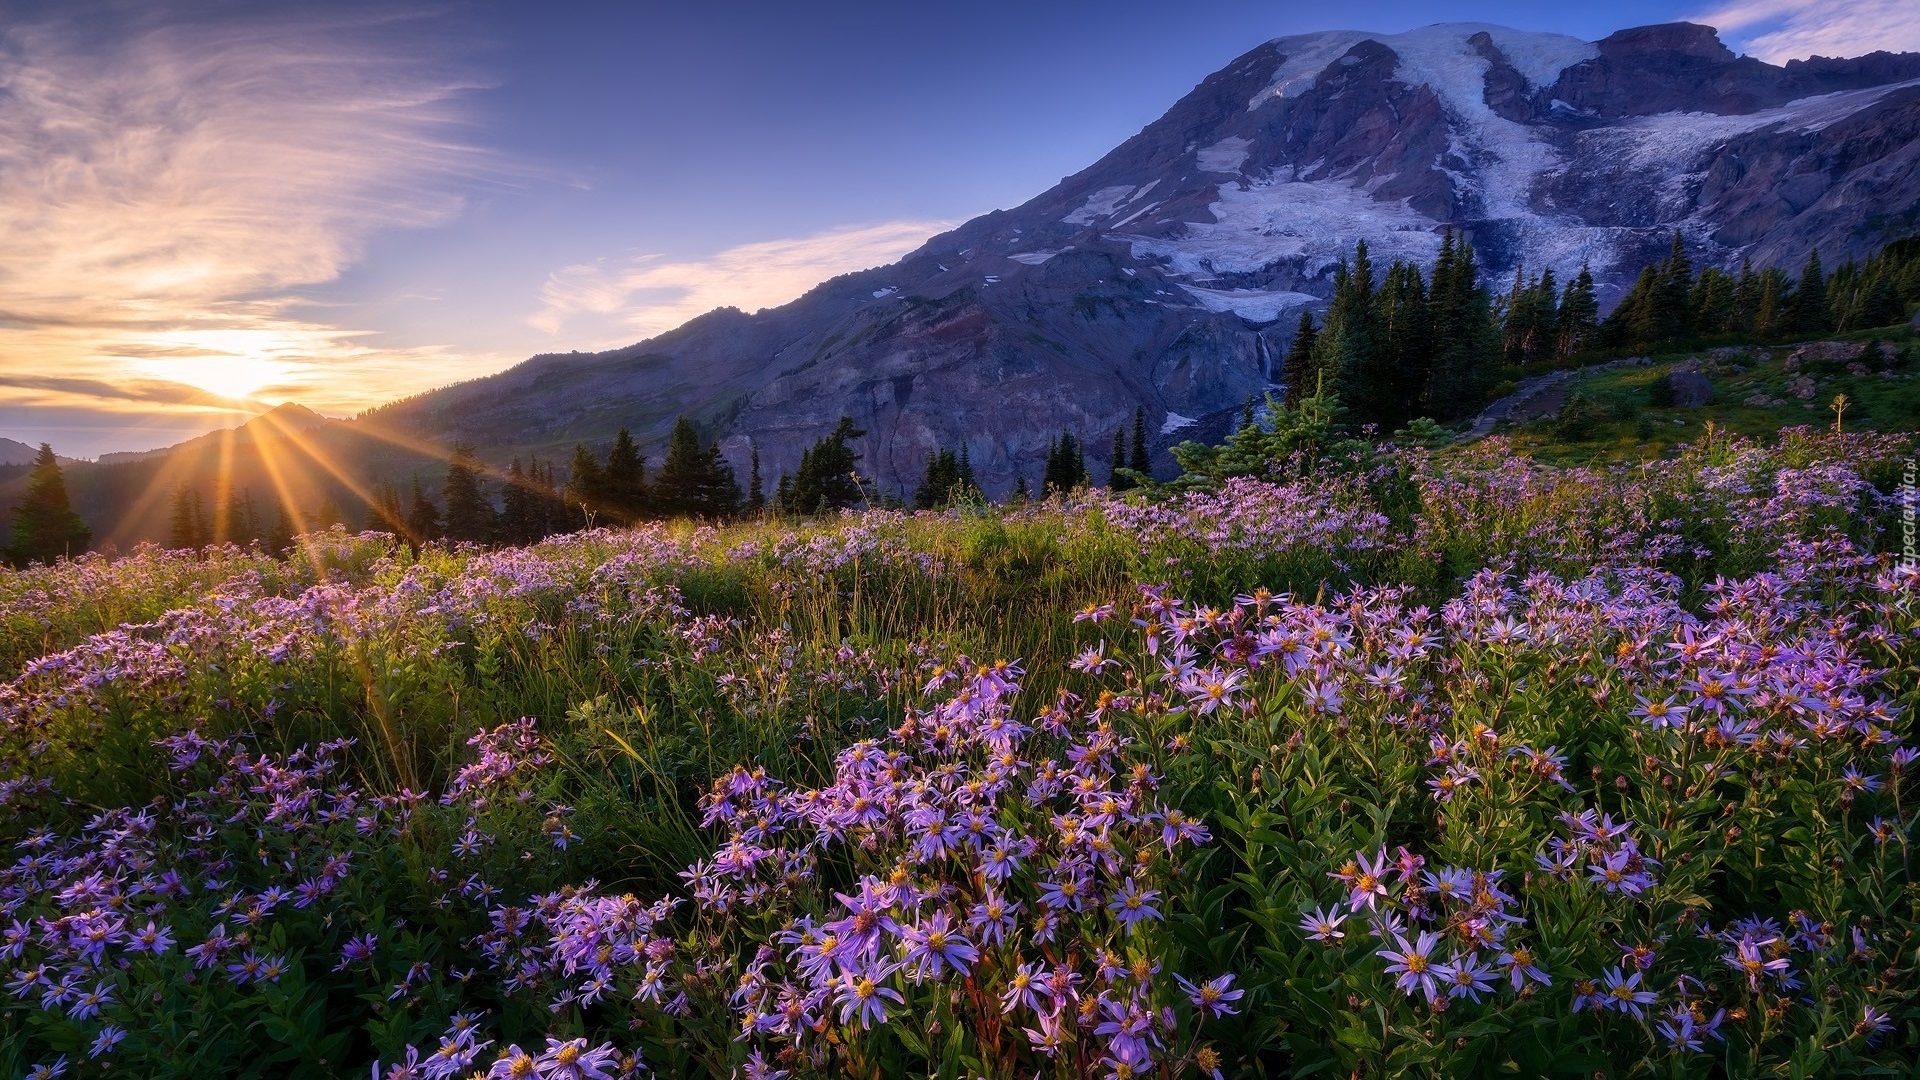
{"points": [[208, 209]]}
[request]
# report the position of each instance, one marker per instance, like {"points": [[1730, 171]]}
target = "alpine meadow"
{"points": [[1404, 568]]}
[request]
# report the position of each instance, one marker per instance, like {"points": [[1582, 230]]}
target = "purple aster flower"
{"points": [[513, 1064], [935, 945], [1024, 990], [1366, 880], [1323, 925], [1134, 905], [864, 994], [571, 1060], [993, 917], [1747, 959], [1624, 992], [1873, 1024], [1522, 967], [1413, 963], [1214, 997], [110, 1037], [1464, 976]]}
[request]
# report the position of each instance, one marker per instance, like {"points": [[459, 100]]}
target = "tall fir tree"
{"points": [[394, 510], [1463, 333], [828, 477], [1771, 318], [1668, 313], [1140, 458], [624, 479], [586, 491], [1297, 370], [1066, 466], [183, 521], [45, 526], [1746, 300], [1810, 313], [1117, 480], [756, 488], [280, 535], [469, 516], [517, 510], [694, 479], [940, 483], [1344, 350], [1579, 314]]}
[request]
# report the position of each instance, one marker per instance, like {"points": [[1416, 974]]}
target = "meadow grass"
{"points": [[1426, 763]]}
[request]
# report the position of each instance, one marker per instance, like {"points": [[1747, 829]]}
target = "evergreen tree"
{"points": [[586, 489], [384, 513], [183, 524], [1579, 313], [327, 515], [1635, 315], [967, 483], [1141, 459], [1116, 480], [1066, 466], [1746, 300], [1343, 351], [245, 518], [828, 476], [549, 505], [423, 517], [624, 480], [1296, 371], [756, 493], [941, 482], [695, 481], [1396, 378], [517, 510], [1463, 334], [279, 539], [1879, 303], [1021, 493], [1668, 314], [719, 492], [1712, 301], [45, 527], [1771, 317], [1809, 311], [469, 516], [783, 493]]}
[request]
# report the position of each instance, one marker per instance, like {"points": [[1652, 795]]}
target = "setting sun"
{"points": [[228, 376]]}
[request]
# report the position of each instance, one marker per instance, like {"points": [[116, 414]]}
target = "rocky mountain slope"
{"points": [[1169, 273]]}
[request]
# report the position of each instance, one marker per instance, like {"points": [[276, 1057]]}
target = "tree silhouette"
{"points": [[45, 527]]}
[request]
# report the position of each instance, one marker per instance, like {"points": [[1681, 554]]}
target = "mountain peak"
{"points": [[1168, 274]]}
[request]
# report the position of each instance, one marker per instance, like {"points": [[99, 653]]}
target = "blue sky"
{"points": [[339, 204]]}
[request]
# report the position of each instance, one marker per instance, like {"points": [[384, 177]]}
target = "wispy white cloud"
{"points": [[1782, 30], [166, 190], [647, 294]]}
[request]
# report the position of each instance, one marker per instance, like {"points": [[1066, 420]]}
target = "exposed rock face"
{"points": [[1169, 273]]}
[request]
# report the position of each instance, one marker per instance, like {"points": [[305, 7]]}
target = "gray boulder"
{"points": [[1691, 389]]}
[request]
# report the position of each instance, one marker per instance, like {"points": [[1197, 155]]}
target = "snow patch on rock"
{"points": [[1251, 304], [1175, 422], [1100, 204], [1277, 220], [1225, 156]]}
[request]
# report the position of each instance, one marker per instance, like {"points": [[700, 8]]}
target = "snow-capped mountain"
{"points": [[1168, 274]]}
